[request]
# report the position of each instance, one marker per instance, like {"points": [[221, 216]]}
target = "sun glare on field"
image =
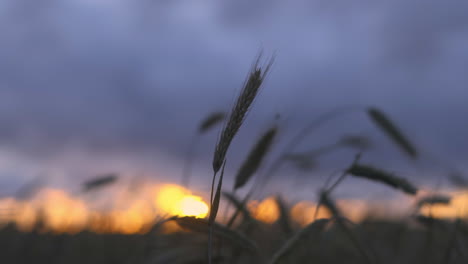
{"points": [[266, 211], [175, 200], [458, 207], [193, 206], [65, 213], [58, 211]]}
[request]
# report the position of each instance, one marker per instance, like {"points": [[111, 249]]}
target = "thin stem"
{"points": [[210, 233], [337, 182], [187, 169], [212, 188], [236, 213], [306, 131]]}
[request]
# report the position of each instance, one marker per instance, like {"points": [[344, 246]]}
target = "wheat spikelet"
{"points": [[210, 121], [434, 200], [255, 158], [392, 131], [99, 182], [375, 174], [236, 118], [238, 113]]}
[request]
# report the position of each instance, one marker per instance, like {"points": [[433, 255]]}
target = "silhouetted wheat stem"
{"points": [[301, 135], [236, 213], [336, 183], [364, 249], [379, 118], [236, 118]]}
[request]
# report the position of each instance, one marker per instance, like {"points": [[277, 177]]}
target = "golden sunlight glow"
{"points": [[60, 212], [458, 207], [175, 200], [266, 211], [168, 198], [304, 212], [57, 211], [193, 206]]}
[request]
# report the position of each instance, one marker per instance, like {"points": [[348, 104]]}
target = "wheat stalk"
{"points": [[235, 120], [217, 198]]}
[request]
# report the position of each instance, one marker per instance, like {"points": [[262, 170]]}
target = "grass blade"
{"points": [[214, 206], [217, 198]]}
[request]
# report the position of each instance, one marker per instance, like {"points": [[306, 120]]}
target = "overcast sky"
{"points": [[91, 86]]}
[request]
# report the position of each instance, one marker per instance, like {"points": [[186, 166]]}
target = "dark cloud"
{"points": [[135, 77]]}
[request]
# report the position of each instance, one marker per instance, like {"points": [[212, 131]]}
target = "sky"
{"points": [[97, 86]]}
